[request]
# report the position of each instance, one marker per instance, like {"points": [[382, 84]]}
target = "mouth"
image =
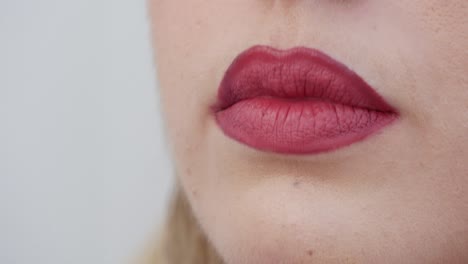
{"points": [[297, 101]]}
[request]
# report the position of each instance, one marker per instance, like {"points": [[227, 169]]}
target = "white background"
{"points": [[83, 168]]}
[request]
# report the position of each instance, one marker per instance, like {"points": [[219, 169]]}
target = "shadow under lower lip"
{"points": [[299, 127]]}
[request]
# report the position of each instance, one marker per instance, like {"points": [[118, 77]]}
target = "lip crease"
{"points": [[297, 101]]}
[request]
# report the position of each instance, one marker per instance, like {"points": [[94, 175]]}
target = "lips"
{"points": [[297, 101]]}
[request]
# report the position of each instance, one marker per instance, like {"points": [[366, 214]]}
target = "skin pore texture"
{"points": [[400, 196]]}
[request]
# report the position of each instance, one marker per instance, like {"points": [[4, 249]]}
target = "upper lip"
{"points": [[259, 72]]}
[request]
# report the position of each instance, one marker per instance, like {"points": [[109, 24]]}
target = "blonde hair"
{"points": [[183, 241]]}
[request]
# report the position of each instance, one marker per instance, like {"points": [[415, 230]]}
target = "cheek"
{"points": [[191, 40], [444, 75], [443, 25]]}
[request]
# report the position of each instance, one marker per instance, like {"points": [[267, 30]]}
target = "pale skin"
{"points": [[400, 196]]}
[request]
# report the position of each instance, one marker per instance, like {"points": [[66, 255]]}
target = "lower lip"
{"points": [[301, 125]]}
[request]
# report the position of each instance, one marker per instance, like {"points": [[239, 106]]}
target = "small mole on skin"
{"points": [[310, 252], [297, 183], [188, 172]]}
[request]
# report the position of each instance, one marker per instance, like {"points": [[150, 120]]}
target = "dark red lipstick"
{"points": [[297, 101]]}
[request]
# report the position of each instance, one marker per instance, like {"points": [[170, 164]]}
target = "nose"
{"points": [[284, 5], [287, 4]]}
